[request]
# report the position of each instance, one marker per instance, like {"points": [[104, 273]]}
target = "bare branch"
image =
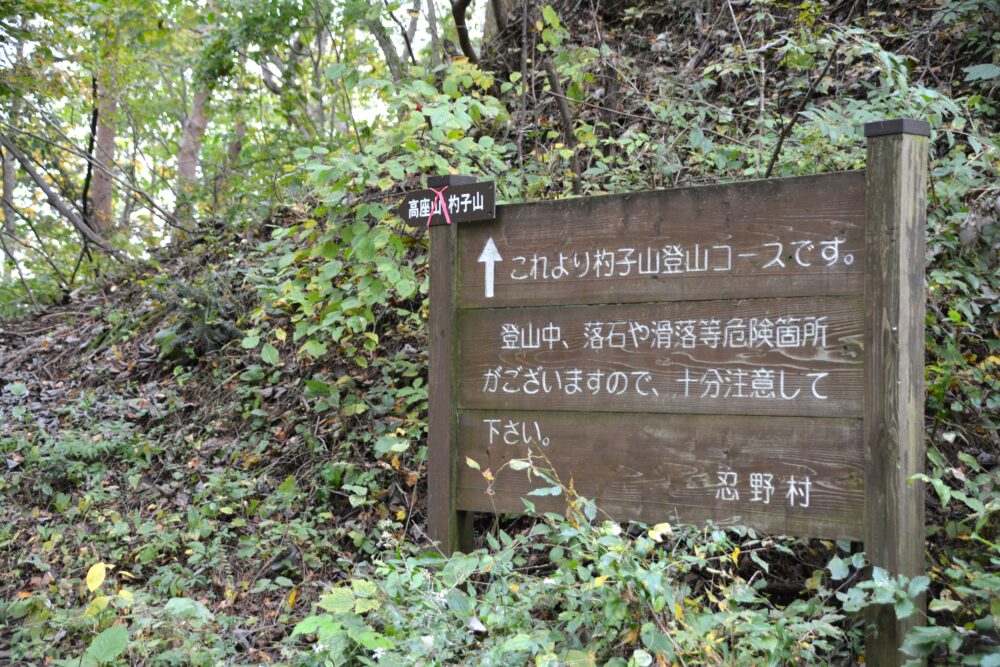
{"points": [[567, 121], [72, 150], [57, 202]]}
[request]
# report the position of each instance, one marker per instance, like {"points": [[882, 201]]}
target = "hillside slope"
{"points": [[219, 456]]}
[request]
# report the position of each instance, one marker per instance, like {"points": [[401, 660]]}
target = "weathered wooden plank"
{"points": [[800, 356], [690, 468], [444, 524], [784, 237], [894, 356]]}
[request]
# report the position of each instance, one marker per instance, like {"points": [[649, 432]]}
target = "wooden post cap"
{"points": [[880, 128]]}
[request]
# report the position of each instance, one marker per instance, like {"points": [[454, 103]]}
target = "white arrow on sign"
{"points": [[490, 256]]}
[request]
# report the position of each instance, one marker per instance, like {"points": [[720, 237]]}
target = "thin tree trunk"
{"points": [[432, 21], [232, 154], [9, 183], [392, 59], [188, 154], [458, 8], [103, 186]]}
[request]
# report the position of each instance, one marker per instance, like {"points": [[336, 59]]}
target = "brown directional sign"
{"points": [[743, 353], [688, 354], [449, 201]]}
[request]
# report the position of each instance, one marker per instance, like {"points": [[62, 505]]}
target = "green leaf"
{"points": [[362, 605], [641, 658], [406, 288], [269, 354], [17, 388], [550, 16], [838, 568], [109, 644], [982, 72], [314, 348], [322, 625], [390, 443], [338, 601], [289, 487], [546, 491], [918, 585], [250, 342], [364, 588], [372, 640], [944, 605], [187, 608]]}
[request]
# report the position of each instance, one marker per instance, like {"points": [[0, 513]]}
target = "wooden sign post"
{"points": [[895, 300], [747, 353]]}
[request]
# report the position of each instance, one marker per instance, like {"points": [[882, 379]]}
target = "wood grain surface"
{"points": [[744, 217], [655, 468], [718, 375], [895, 301]]}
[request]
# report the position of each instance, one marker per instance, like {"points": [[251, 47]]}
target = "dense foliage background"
{"points": [[213, 365]]}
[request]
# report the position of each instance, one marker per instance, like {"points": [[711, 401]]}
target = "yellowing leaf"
{"points": [[97, 605], [661, 530], [95, 576], [736, 555], [293, 596], [471, 463], [126, 595], [678, 610]]}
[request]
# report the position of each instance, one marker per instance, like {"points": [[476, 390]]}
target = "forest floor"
{"points": [[159, 471]]}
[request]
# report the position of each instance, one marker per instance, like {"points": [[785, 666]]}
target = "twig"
{"points": [[20, 273], [787, 129], [405, 32], [649, 119], [567, 121]]}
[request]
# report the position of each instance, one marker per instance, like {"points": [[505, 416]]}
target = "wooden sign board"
{"points": [[448, 200], [729, 353]]}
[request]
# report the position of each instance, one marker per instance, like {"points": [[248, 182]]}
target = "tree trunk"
{"points": [[392, 59], [9, 182], [190, 148], [103, 186]]}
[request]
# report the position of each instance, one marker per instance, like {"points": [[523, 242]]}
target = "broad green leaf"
{"points": [[108, 645], [338, 601], [17, 388], [314, 348], [982, 72], [838, 568], [269, 354]]}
